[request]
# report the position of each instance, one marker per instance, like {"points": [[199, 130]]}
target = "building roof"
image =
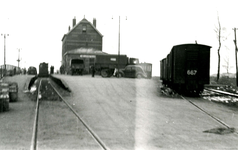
{"points": [[82, 21], [86, 51]]}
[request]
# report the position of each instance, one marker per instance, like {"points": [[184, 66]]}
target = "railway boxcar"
{"points": [[32, 70], [43, 70], [51, 69], [162, 70], [187, 67]]}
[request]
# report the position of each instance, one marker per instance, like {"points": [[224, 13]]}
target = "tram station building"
{"points": [[83, 41]]}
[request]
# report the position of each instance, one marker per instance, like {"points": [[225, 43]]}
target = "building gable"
{"points": [[79, 28], [83, 34]]}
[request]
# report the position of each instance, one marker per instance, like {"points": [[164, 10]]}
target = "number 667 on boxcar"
{"points": [[186, 68]]}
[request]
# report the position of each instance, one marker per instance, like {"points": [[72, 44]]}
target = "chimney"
{"points": [[74, 22], [69, 28], [94, 22]]}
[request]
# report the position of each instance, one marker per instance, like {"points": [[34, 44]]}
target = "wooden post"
{"points": [[236, 56]]}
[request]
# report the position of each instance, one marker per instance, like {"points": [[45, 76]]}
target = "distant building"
{"points": [[83, 42]]}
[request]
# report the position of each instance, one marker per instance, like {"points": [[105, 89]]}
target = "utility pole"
{"points": [[118, 48], [119, 43], [4, 52], [236, 56], [18, 58]]}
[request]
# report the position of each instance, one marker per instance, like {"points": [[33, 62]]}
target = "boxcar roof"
{"points": [[190, 44]]}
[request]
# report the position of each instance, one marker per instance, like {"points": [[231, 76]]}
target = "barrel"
{"points": [[4, 96]]}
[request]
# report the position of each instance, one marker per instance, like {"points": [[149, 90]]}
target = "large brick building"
{"points": [[83, 41]]}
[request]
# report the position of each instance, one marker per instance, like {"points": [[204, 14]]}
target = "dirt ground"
{"points": [[16, 124], [133, 114], [124, 113], [58, 127]]}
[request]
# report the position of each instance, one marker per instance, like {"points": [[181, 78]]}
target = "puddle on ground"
{"points": [[220, 130]]}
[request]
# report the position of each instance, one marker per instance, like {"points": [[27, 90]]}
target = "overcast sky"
{"points": [[149, 28]]}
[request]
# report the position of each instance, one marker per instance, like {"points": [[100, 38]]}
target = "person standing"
{"points": [[93, 71]]}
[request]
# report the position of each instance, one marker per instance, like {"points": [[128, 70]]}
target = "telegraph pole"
{"points": [[118, 48], [236, 55], [4, 52], [119, 43], [18, 58]]}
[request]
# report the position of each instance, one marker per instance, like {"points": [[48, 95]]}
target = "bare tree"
{"points": [[227, 65], [227, 62], [219, 37], [235, 42]]}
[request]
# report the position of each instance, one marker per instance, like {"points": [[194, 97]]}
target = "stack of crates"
{"points": [[4, 96], [13, 91]]}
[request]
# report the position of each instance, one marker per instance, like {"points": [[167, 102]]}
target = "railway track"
{"points": [[227, 128], [221, 92], [48, 123], [211, 93], [220, 96]]}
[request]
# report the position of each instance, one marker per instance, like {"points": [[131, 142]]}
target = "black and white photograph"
{"points": [[118, 75]]}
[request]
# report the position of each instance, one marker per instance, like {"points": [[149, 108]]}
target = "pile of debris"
{"points": [[228, 88], [168, 91], [221, 98]]}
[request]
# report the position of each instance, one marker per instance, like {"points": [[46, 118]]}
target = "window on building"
{"points": [[84, 28]]}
